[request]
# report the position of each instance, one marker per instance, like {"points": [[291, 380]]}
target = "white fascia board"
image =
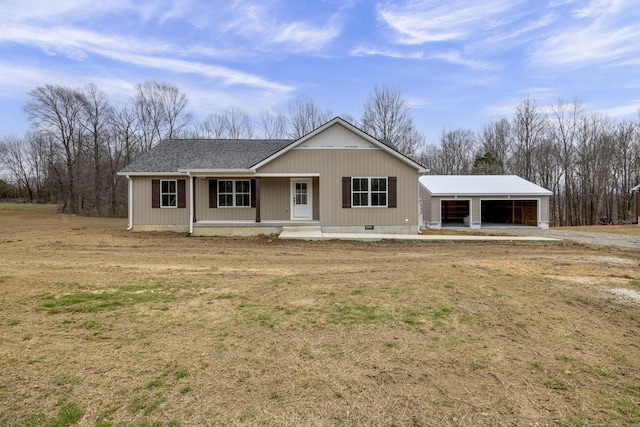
{"points": [[219, 172], [485, 195], [180, 173], [288, 175]]}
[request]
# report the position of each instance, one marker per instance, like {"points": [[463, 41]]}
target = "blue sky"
{"points": [[458, 63]]}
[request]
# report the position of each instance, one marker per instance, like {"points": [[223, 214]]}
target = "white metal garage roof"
{"points": [[481, 185]]}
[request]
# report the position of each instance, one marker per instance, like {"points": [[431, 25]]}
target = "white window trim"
{"points": [[369, 191], [175, 183], [233, 193]]}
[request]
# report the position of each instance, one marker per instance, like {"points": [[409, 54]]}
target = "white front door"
{"points": [[301, 199]]}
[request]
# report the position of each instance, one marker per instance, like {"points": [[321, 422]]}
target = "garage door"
{"points": [[454, 211], [520, 212]]}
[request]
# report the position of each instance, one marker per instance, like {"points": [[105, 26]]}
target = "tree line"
{"points": [[79, 139]]}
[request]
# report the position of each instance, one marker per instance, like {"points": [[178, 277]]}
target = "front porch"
{"points": [[268, 200], [250, 228]]}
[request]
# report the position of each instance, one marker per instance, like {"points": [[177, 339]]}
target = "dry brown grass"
{"points": [[104, 327]]}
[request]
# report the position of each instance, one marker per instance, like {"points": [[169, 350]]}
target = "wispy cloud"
{"points": [[417, 22], [305, 37], [78, 44], [599, 33], [390, 53], [631, 110], [226, 75], [241, 28], [458, 58], [266, 26]]}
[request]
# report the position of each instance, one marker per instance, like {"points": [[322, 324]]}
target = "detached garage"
{"points": [[482, 200]]}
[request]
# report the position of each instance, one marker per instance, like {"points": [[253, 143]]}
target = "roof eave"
{"points": [[516, 195], [218, 172], [122, 173]]}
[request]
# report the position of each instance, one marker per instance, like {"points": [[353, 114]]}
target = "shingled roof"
{"points": [[179, 155], [172, 155]]}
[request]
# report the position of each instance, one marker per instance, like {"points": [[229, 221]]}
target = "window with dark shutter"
{"points": [[393, 192], [155, 193], [346, 192], [213, 193], [182, 194], [370, 192], [253, 193]]}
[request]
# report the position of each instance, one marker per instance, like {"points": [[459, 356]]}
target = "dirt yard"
{"points": [[104, 327]]}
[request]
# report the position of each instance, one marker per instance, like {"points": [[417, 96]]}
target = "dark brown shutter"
{"points": [[213, 193], [346, 191], [182, 193], [253, 193], [155, 193], [393, 192], [257, 192]]}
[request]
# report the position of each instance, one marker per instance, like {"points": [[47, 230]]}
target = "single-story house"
{"points": [[337, 178], [476, 200]]}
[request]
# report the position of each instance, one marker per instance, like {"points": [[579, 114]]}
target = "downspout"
{"points": [[638, 204], [190, 203], [130, 210]]}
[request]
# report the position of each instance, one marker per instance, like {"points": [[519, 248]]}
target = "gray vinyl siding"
{"points": [[425, 200], [144, 214], [333, 164], [544, 206], [274, 199], [475, 209]]}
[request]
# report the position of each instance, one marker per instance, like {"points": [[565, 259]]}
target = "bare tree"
{"points": [[549, 173], [429, 157], [97, 116], [123, 146], [214, 126], [15, 159], [386, 117], [272, 125], [495, 144], [125, 133], [626, 153], [564, 130], [529, 126], [42, 155], [305, 116], [239, 124], [593, 169], [457, 148], [161, 112], [58, 111]]}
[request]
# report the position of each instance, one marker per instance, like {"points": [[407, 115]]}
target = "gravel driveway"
{"points": [[605, 239]]}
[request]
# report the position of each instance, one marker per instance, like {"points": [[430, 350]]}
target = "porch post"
{"points": [[258, 199], [191, 204]]}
